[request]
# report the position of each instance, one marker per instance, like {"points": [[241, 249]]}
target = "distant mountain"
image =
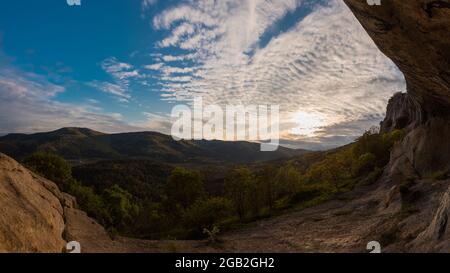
{"points": [[82, 145]]}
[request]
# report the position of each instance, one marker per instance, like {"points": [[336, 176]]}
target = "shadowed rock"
{"points": [[415, 34]]}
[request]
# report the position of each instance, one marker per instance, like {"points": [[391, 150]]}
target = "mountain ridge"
{"points": [[79, 145]]}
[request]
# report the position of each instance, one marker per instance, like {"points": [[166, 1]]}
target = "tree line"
{"points": [[184, 208]]}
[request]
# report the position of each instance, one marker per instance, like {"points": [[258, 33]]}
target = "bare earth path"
{"points": [[335, 226]]}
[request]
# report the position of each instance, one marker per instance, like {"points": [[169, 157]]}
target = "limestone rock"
{"points": [[415, 34], [35, 216], [31, 215], [402, 113], [437, 236]]}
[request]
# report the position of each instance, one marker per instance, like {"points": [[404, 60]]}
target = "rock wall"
{"points": [[402, 113], [415, 34], [35, 216]]}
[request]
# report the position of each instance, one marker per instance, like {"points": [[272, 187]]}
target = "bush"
{"points": [[56, 169], [207, 212], [120, 206], [90, 202], [184, 187], [240, 187], [50, 166], [364, 164], [306, 194]]}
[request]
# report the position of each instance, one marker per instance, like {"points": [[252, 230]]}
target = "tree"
{"points": [[50, 166], [120, 206], [364, 164], [288, 181], [184, 187], [56, 169], [205, 213], [90, 202], [239, 187], [267, 182]]}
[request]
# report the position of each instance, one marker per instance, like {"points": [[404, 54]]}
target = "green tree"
{"points": [[364, 164], [90, 202], [240, 189], [267, 182], [184, 187], [56, 169], [50, 166], [205, 213], [287, 181], [120, 205]]}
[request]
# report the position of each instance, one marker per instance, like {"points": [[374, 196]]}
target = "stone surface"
{"points": [[35, 216], [415, 34], [402, 113], [31, 215], [437, 235]]}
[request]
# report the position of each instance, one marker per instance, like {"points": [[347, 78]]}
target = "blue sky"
{"points": [[120, 65]]}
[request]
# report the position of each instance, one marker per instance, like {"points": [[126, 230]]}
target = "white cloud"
{"points": [[156, 66], [113, 89], [146, 4], [27, 105], [121, 73], [325, 64]]}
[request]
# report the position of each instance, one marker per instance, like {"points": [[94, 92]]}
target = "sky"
{"points": [[120, 66]]}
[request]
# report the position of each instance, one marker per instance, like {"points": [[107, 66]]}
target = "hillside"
{"points": [[392, 187], [81, 145]]}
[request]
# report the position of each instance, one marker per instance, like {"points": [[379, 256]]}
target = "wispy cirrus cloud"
{"points": [[27, 105], [121, 73], [250, 52]]}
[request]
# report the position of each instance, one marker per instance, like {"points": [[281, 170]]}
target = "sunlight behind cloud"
{"points": [[307, 124], [325, 63]]}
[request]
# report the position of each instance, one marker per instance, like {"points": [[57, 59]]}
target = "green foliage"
{"points": [[206, 213], [364, 164], [240, 187], [133, 197], [90, 202], [287, 180], [51, 167], [308, 193], [184, 187], [120, 206]]}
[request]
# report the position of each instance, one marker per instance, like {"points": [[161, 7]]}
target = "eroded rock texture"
{"points": [[35, 216], [415, 34]]}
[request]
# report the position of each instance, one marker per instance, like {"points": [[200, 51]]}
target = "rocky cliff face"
{"points": [[35, 216], [415, 34]]}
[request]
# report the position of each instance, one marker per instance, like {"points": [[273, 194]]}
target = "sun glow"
{"points": [[307, 123]]}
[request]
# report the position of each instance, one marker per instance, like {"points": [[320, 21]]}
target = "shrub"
{"points": [[56, 169], [364, 164], [51, 167], [306, 194], [240, 188], [90, 202], [184, 187], [207, 212], [120, 206]]}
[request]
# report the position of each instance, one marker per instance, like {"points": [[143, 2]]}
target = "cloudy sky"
{"points": [[118, 66]]}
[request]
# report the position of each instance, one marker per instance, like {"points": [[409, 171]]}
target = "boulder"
{"points": [[31, 217]]}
